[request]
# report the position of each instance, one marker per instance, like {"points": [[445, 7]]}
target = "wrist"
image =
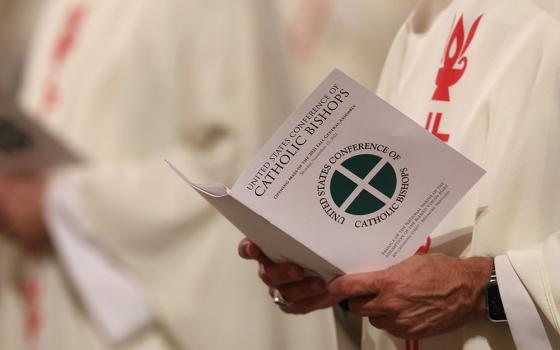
{"points": [[479, 270]]}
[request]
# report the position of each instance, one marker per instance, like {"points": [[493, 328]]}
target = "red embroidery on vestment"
{"points": [[425, 248], [434, 129], [411, 344], [32, 298], [454, 59], [64, 44]]}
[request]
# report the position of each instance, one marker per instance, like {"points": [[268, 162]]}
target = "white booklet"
{"points": [[25, 145], [347, 184]]}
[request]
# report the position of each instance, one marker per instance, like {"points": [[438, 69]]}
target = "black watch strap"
{"points": [[494, 306], [344, 305]]}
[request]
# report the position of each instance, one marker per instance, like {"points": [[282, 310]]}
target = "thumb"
{"points": [[357, 284]]}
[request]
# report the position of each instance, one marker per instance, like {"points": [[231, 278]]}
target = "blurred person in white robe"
{"points": [[352, 35], [115, 252], [484, 77]]}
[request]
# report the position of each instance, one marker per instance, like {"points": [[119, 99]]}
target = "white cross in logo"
{"points": [[363, 184]]}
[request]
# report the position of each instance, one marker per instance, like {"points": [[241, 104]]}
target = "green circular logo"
{"points": [[363, 184]]}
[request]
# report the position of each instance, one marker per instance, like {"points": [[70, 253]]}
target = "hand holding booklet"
{"points": [[345, 185]]}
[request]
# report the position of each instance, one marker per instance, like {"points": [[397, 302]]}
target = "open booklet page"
{"points": [[349, 180], [276, 244], [24, 145]]}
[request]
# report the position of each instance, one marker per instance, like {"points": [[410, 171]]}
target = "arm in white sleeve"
{"points": [[113, 298], [524, 321], [523, 163]]}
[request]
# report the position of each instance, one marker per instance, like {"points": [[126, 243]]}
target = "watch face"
{"points": [[494, 303]]}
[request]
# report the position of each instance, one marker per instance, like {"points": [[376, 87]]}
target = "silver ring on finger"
{"points": [[279, 300]]}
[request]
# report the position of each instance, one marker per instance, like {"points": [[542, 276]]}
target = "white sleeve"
{"points": [[524, 321], [520, 187], [112, 297]]}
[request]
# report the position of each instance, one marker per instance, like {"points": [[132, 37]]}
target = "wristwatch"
{"points": [[494, 305]]}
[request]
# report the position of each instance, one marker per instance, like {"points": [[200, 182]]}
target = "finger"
{"points": [[3, 220], [6, 183], [382, 322], [5, 224], [275, 275], [354, 285], [250, 251], [305, 306], [243, 249], [360, 306], [307, 288], [376, 305]]}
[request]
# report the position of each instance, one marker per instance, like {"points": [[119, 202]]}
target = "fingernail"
{"points": [[248, 250], [318, 286], [295, 273]]}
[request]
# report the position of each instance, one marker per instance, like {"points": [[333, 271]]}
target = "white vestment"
{"points": [[484, 76], [352, 35], [128, 84]]}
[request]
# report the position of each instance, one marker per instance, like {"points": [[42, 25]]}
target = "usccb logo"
{"points": [[362, 185]]}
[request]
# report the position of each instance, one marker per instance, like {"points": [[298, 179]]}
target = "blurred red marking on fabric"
{"points": [[64, 44]]}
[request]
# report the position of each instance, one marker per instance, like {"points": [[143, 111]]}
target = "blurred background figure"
{"points": [[17, 18], [352, 35], [138, 260], [16, 24], [116, 252]]}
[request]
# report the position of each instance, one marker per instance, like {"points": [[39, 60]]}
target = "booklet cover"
{"points": [[24, 145], [345, 185]]}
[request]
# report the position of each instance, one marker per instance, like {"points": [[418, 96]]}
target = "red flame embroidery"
{"points": [[454, 60]]}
